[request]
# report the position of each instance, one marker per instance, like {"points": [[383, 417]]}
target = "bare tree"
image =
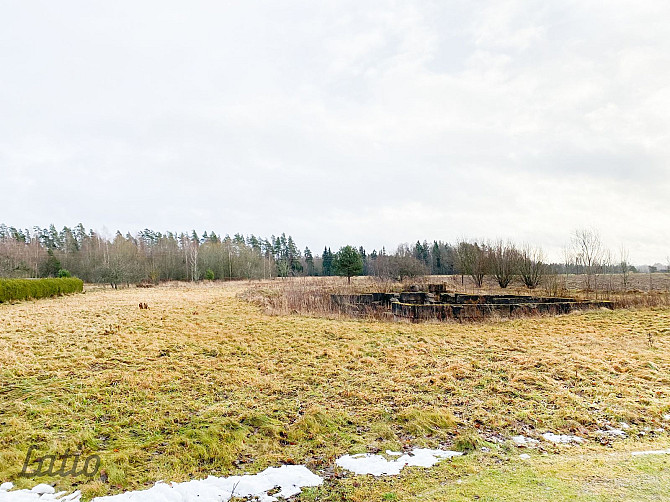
{"points": [[569, 264], [531, 266], [404, 264], [624, 266], [504, 262], [473, 260], [190, 248], [607, 266], [380, 266], [589, 253], [194, 248]]}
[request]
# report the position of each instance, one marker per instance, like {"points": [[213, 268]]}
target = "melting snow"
{"points": [[561, 438], [377, 465], [524, 441], [290, 479], [524, 456], [652, 452], [612, 432], [41, 492]]}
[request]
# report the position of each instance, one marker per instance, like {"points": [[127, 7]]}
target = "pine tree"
{"points": [[327, 262], [348, 262], [309, 260], [293, 256], [436, 256]]}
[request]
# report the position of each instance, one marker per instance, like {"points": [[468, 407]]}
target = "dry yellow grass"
{"points": [[312, 295], [206, 383]]}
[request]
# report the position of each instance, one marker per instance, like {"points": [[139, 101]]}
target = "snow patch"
{"points": [[39, 493], [651, 452], [377, 465], [612, 432], [524, 441], [561, 438], [524, 456], [290, 479]]}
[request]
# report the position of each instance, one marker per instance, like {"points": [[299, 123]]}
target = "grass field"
{"points": [[204, 383]]}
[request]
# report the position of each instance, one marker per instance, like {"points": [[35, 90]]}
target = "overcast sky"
{"points": [[362, 122]]}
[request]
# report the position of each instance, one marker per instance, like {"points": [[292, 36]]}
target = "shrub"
{"points": [[209, 275], [64, 273], [22, 289]]}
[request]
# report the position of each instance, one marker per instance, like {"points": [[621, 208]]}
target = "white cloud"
{"points": [[372, 123]]}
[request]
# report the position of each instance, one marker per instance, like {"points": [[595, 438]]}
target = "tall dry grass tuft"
{"points": [[632, 299], [311, 295]]}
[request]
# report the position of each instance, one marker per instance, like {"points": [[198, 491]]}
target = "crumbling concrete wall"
{"points": [[440, 305], [499, 299], [442, 311]]}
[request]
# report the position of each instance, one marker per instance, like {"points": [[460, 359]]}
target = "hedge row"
{"points": [[21, 289]]}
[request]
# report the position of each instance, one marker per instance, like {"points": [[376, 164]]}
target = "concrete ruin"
{"points": [[438, 304]]}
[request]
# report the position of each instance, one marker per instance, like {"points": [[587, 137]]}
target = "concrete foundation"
{"points": [[436, 304]]}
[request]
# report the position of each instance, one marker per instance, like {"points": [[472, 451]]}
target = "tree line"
{"points": [[151, 256]]}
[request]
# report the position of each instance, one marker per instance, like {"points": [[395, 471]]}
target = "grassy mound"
{"points": [[22, 289]]}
